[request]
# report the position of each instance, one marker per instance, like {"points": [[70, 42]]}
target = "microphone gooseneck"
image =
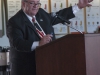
{"points": [[64, 21], [73, 28]]}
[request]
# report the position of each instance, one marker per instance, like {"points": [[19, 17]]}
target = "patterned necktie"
{"points": [[38, 29]]}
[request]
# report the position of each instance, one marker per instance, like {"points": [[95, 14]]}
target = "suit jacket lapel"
{"points": [[41, 22], [29, 24]]}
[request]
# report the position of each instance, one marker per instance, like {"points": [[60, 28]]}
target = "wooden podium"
{"points": [[73, 54]]}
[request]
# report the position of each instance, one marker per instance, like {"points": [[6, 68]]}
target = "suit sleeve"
{"points": [[66, 13], [16, 37]]}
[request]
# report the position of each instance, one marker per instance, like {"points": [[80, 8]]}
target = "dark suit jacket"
{"points": [[22, 34]]}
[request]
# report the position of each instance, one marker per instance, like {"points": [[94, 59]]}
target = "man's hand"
{"points": [[46, 39], [84, 3]]}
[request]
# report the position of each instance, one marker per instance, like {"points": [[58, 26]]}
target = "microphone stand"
{"points": [[72, 27], [66, 23]]}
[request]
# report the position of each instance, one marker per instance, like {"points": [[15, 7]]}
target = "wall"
{"points": [[4, 40]]}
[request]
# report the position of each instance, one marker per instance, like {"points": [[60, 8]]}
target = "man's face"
{"points": [[31, 7]]}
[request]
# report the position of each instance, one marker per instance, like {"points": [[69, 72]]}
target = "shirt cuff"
{"points": [[34, 45], [75, 9]]}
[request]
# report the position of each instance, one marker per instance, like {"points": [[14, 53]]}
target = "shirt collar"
{"points": [[29, 17]]}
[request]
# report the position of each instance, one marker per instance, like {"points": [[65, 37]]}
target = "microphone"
{"points": [[63, 20], [55, 15]]}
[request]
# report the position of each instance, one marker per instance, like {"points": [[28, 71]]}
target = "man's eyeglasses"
{"points": [[34, 4]]}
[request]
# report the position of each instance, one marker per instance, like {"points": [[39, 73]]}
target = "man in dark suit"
{"points": [[24, 38]]}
